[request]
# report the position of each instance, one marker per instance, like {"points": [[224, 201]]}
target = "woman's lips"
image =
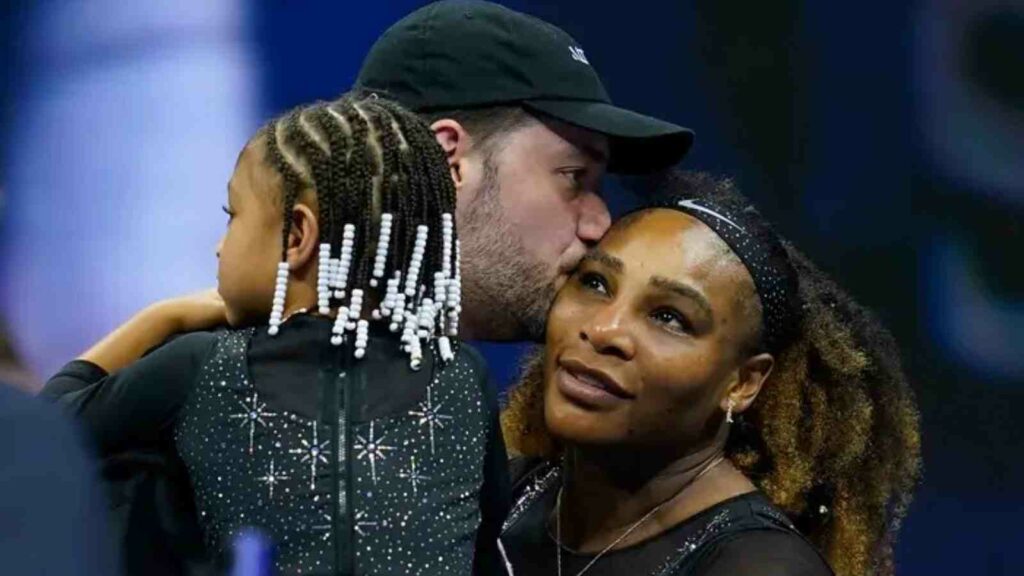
{"points": [[587, 386]]}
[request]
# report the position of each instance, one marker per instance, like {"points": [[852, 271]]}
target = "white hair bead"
{"points": [[445, 347], [447, 233], [280, 293], [338, 329], [382, 248], [419, 247], [323, 276], [345, 262], [362, 338]]}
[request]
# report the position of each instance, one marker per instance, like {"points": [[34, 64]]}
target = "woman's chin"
{"points": [[571, 425]]}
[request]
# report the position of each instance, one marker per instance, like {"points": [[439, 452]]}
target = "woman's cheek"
{"points": [[562, 314]]}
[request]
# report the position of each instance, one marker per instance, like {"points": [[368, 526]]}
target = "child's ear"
{"points": [[303, 240]]}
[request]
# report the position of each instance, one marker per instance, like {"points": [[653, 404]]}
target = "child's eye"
{"points": [[593, 281], [672, 320], [228, 212]]}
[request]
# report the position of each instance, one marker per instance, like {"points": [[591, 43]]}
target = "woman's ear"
{"points": [[750, 378], [304, 237]]}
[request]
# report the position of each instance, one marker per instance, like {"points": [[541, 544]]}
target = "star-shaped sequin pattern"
{"points": [[413, 475], [430, 414], [272, 479], [252, 415], [373, 449], [312, 451]]}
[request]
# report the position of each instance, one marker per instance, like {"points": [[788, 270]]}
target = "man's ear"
{"points": [[303, 239], [456, 143]]}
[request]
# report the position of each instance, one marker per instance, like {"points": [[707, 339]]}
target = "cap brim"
{"points": [[638, 144]]}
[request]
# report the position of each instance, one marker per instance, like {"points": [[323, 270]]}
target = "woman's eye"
{"points": [[228, 211], [593, 281], [673, 320]]}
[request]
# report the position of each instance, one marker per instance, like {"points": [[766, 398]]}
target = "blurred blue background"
{"points": [[887, 139]]}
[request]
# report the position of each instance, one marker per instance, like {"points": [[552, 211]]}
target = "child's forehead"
{"points": [[252, 176], [254, 150]]}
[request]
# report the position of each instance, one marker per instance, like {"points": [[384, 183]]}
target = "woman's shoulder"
{"points": [[763, 552], [758, 540], [522, 468], [531, 478]]}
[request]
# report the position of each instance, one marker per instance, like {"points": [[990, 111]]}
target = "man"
{"points": [[529, 131]]}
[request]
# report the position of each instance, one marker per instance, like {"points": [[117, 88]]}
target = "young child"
{"points": [[339, 414]]}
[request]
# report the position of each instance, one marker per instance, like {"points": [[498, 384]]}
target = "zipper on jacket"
{"points": [[344, 513], [350, 512]]}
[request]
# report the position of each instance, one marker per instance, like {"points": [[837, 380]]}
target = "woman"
{"points": [[708, 403]]}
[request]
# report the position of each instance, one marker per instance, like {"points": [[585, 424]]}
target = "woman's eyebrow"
{"points": [[602, 257], [684, 290]]}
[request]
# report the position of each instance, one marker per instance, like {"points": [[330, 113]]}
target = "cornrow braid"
{"points": [[319, 162], [404, 202], [292, 180], [398, 179], [363, 158], [387, 145], [311, 145], [339, 146], [363, 166], [430, 174], [411, 180]]}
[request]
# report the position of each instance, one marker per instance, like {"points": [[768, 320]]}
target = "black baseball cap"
{"points": [[457, 54]]}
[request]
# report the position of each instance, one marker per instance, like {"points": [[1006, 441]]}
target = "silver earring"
{"points": [[728, 411]]}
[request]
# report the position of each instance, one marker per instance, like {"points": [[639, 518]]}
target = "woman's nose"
{"points": [[608, 331]]}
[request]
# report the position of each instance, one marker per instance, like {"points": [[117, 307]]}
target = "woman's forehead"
{"points": [[671, 244], [664, 235]]}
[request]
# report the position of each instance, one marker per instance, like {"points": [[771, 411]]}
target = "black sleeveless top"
{"points": [[742, 536], [351, 467]]}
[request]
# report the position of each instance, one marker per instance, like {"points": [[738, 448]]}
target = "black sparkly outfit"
{"points": [[352, 466], [745, 535]]}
